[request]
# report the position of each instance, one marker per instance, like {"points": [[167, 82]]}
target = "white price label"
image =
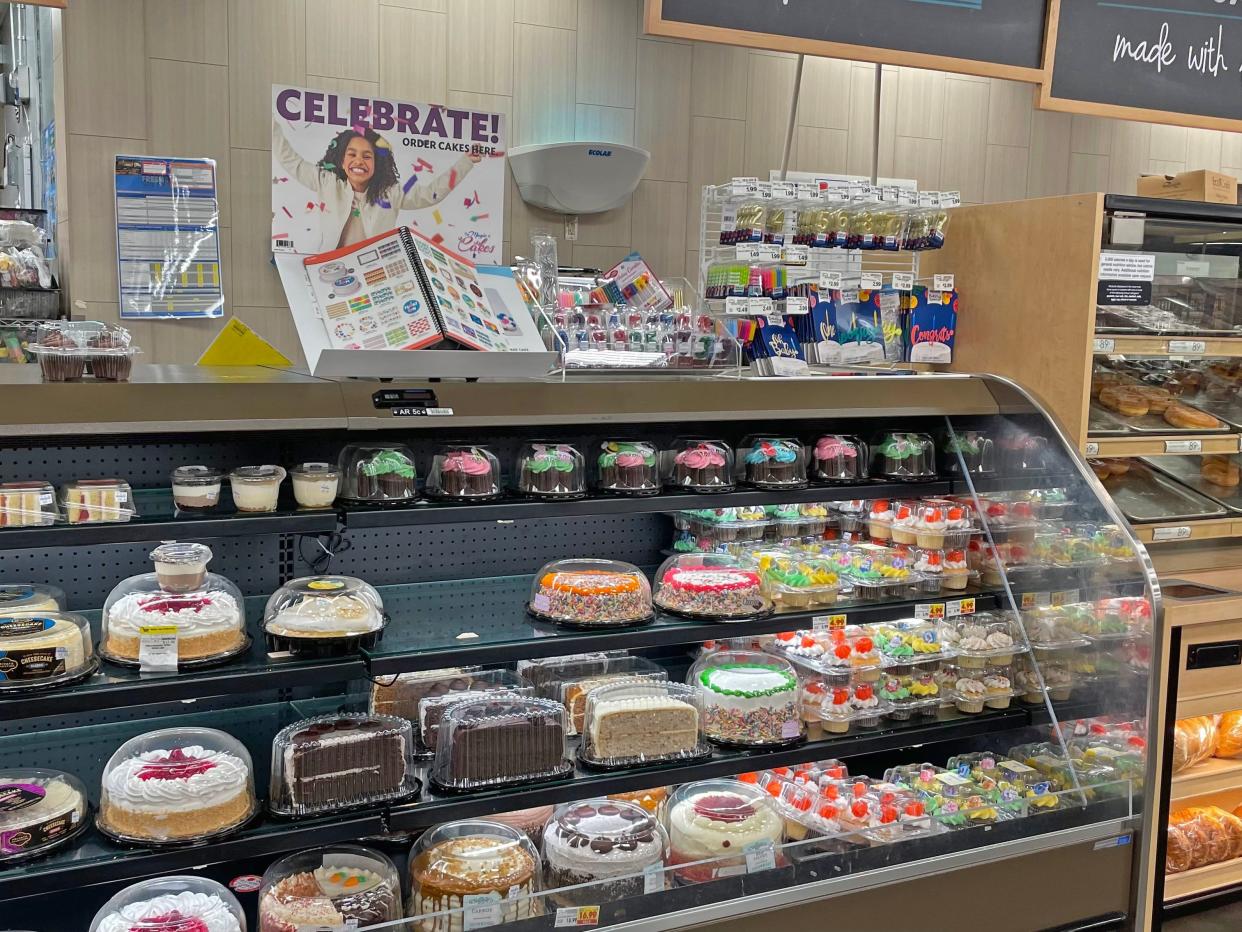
{"points": [[1093, 449], [797, 306], [769, 252], [829, 280], [759, 306], [929, 199], [439, 412], [1103, 345], [653, 878], [1183, 446], [795, 255], [573, 917], [46, 498], [871, 281], [737, 305], [122, 495], [1171, 533], [157, 648], [744, 186], [950, 198], [748, 252], [1187, 347], [942, 283], [480, 910], [903, 281], [761, 856], [784, 189], [765, 191], [1194, 268]]}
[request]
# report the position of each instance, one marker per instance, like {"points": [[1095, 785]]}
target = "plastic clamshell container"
{"points": [[711, 823], [591, 594], [171, 904], [627, 467], [851, 516], [42, 649], [30, 597], [256, 489], [324, 616], [460, 864], [905, 457], [176, 786], [315, 485], [377, 474], [493, 742], [876, 573], [639, 721], [698, 465], [907, 644], [39, 810], [710, 586], [837, 653], [543, 672], [547, 469], [1067, 549], [748, 699], [401, 693], [490, 684], [91, 501], [110, 352], [464, 473], [979, 640], [770, 462], [205, 612], [344, 760], [1108, 620], [605, 844], [839, 459], [970, 451], [727, 525], [796, 580], [196, 488], [1053, 628], [941, 525], [572, 681], [28, 504], [340, 885], [61, 349], [977, 688]]}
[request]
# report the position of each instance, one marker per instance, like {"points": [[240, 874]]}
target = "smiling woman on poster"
{"points": [[357, 183]]}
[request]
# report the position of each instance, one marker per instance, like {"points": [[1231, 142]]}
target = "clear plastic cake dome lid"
{"points": [[473, 857], [495, 741], [39, 810], [768, 461], [41, 649], [591, 593], [340, 885], [179, 615], [603, 838], [698, 465], [628, 467], [380, 473], [550, 469], [634, 721], [464, 471], [713, 825], [320, 606], [176, 786], [171, 904], [30, 597], [839, 458], [748, 698], [905, 456], [341, 761], [710, 585]]}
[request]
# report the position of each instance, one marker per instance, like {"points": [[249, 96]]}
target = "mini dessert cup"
{"points": [[256, 488], [196, 488], [315, 484], [181, 567]]}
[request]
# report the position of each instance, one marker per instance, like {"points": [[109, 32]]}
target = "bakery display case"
{"points": [[701, 686]]}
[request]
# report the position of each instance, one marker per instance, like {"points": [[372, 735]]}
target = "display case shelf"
{"points": [[1156, 445], [1124, 344], [1211, 776], [1203, 880], [1173, 531]]}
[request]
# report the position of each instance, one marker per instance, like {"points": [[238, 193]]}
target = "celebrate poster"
{"points": [[345, 169]]}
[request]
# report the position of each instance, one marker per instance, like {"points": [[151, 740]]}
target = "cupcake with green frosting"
{"points": [[628, 467], [551, 470], [388, 475]]}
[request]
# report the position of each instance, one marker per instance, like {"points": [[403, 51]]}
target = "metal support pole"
{"points": [[793, 117], [875, 127]]}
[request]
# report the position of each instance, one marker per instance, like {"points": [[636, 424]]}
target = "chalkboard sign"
{"points": [[994, 38], [1164, 61]]}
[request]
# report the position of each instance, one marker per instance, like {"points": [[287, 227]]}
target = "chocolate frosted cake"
{"points": [[605, 843], [491, 742], [340, 761]]}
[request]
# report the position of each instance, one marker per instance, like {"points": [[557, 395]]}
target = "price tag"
{"points": [[765, 191], [950, 198], [745, 186], [942, 283], [1103, 345], [1171, 533], [933, 611], [871, 281], [1183, 446], [769, 252], [46, 498], [797, 305], [784, 189], [653, 878], [1029, 600], [737, 305], [827, 622], [795, 255], [929, 198], [1064, 597], [571, 917], [157, 647], [759, 306], [1187, 347], [903, 281], [959, 607], [761, 856], [829, 280], [1194, 268], [748, 252], [480, 910], [1093, 449]]}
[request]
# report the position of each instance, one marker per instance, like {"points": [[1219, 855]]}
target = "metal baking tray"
{"points": [[1104, 423], [1228, 411], [1147, 495], [1156, 424], [1185, 469]]}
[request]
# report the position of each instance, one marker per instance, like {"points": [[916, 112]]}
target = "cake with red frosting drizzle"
{"points": [[719, 820], [709, 586]]}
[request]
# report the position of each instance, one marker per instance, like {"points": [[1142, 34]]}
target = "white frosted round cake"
{"points": [[187, 911], [715, 819], [209, 624], [749, 703]]}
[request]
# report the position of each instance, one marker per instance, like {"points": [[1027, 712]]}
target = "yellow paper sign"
{"points": [[238, 345]]}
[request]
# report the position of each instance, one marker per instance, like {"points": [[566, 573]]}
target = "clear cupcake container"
{"points": [[839, 459], [572, 682], [796, 580], [717, 587], [1054, 627], [1107, 621], [176, 786], [340, 885], [64, 348], [28, 504], [40, 810], [92, 501], [627, 467], [315, 485], [772, 462], [698, 465], [837, 653], [30, 597], [489, 743], [1022, 452], [875, 573], [1067, 549], [549, 470], [989, 638], [171, 904], [598, 851], [970, 451], [110, 352], [748, 699], [486, 684], [470, 863], [634, 722], [323, 616], [341, 761], [904, 645], [377, 474], [904, 457], [464, 474], [711, 823], [851, 516], [196, 488], [975, 689], [44, 649], [591, 594], [941, 525], [880, 518], [256, 489]]}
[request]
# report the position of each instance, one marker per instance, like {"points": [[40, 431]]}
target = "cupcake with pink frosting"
{"points": [[702, 466], [471, 473], [838, 458]]}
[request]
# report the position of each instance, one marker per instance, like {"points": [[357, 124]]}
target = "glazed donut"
{"points": [[1124, 401], [1158, 399], [1118, 467], [1184, 416], [1220, 470], [1100, 468]]}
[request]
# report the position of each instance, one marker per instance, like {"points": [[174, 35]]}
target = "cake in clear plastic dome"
{"points": [[171, 904]]}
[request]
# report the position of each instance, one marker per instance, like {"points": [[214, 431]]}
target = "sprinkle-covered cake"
{"points": [[748, 699]]}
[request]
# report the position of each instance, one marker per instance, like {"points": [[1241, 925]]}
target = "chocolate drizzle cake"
{"points": [[339, 761], [491, 741]]}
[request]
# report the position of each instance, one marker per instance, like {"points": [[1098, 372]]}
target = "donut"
{"points": [[1184, 416], [1158, 399], [1118, 467], [1100, 468], [1220, 470], [1124, 401]]}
